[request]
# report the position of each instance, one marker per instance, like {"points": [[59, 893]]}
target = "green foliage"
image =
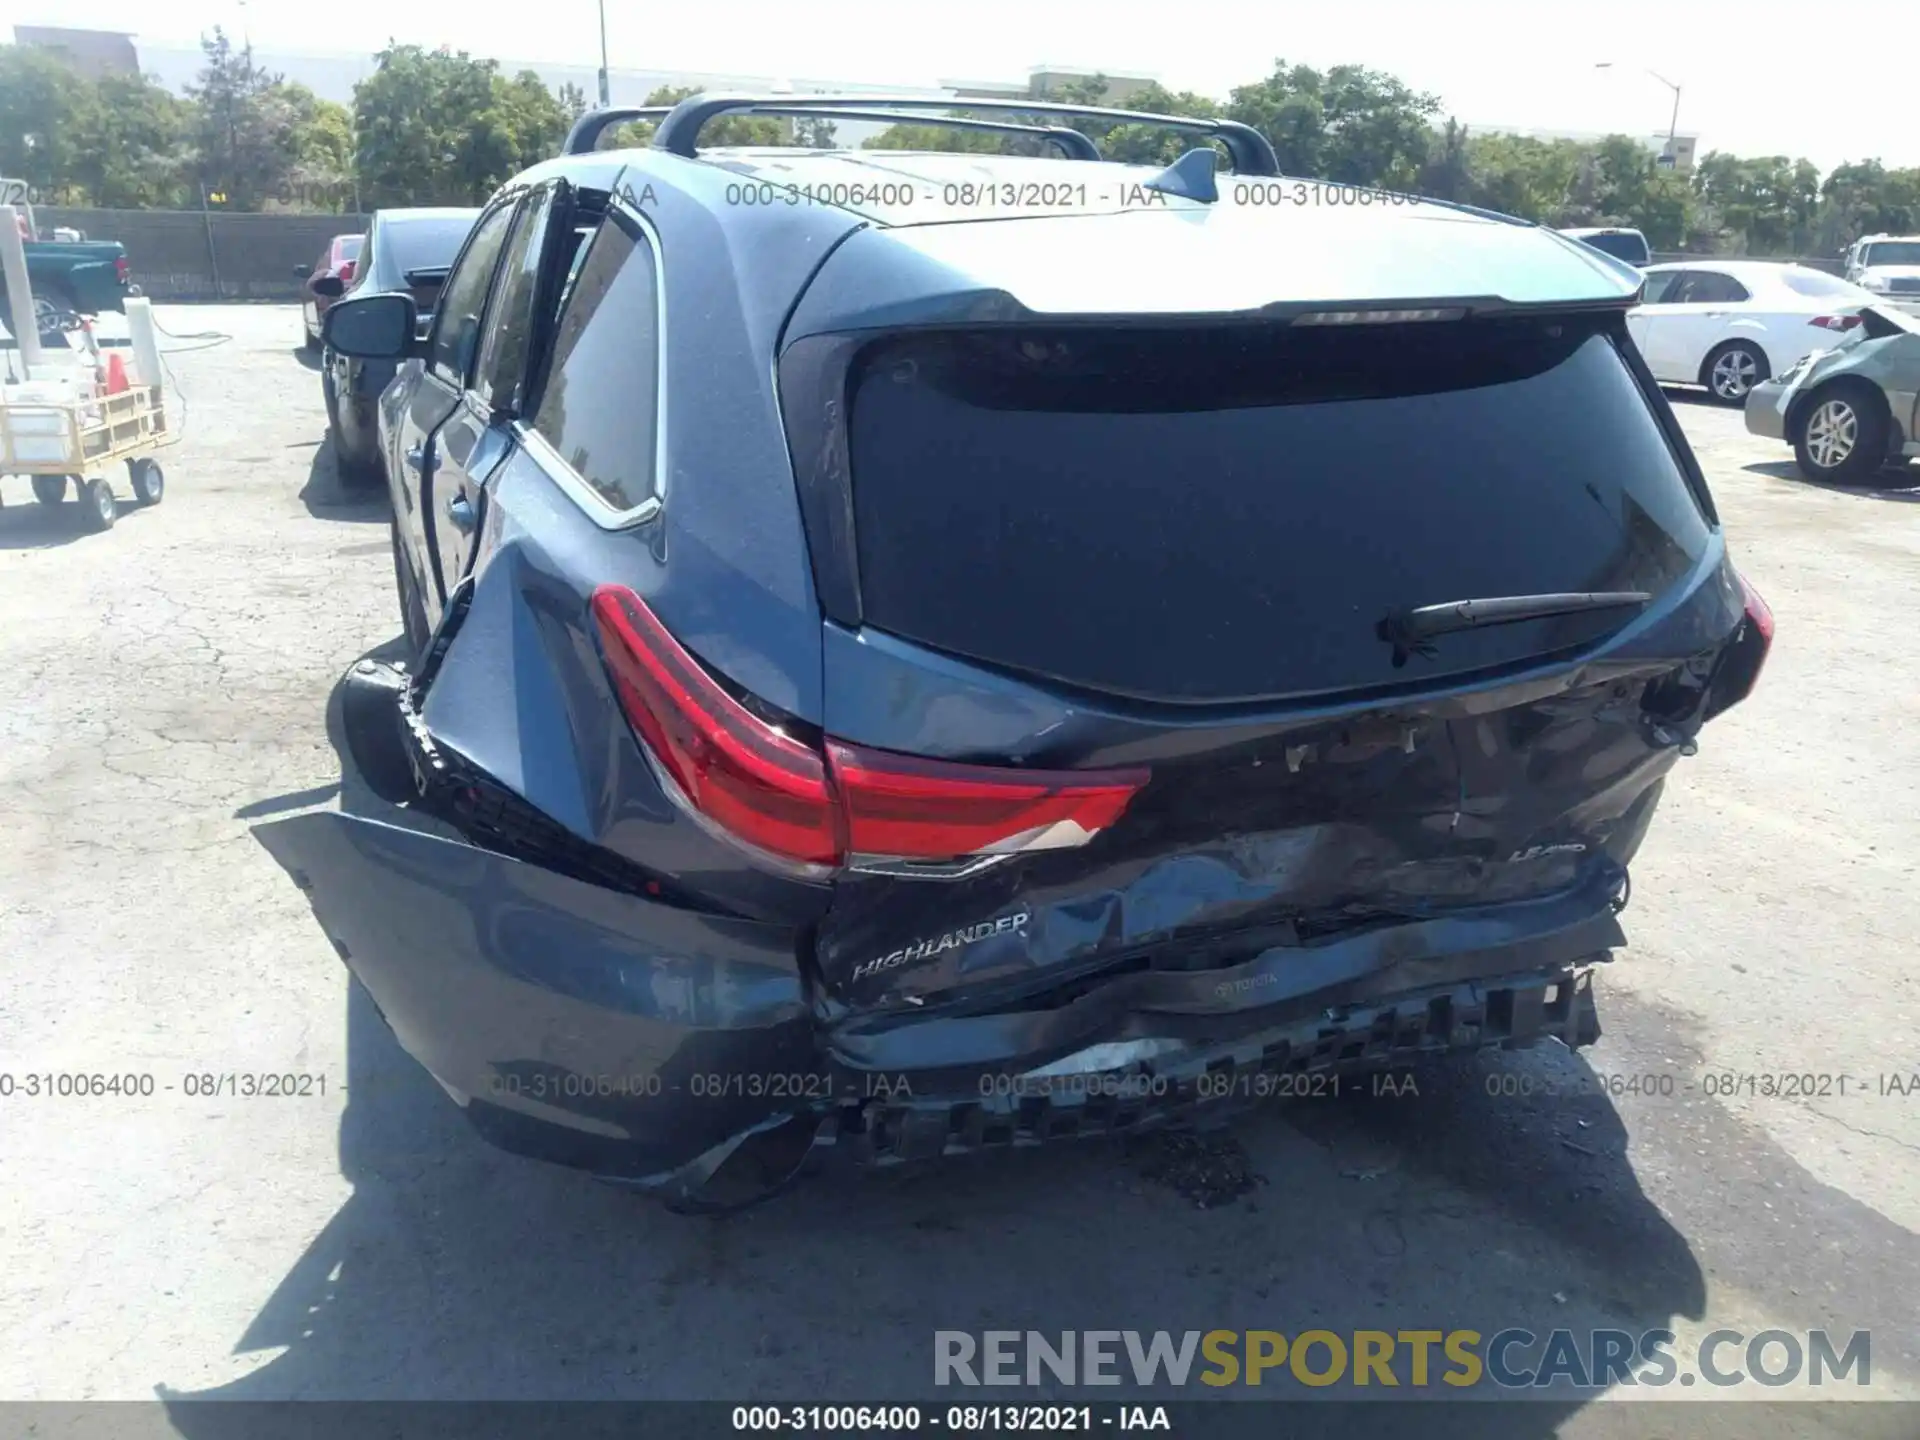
{"points": [[43, 107], [441, 127]]}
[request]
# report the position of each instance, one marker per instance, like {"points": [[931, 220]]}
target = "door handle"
{"points": [[1714, 314], [460, 512], [416, 458]]}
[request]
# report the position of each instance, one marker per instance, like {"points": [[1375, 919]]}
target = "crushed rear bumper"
{"points": [[681, 1052]]}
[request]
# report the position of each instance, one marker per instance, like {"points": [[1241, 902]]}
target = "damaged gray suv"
{"points": [[911, 652]]}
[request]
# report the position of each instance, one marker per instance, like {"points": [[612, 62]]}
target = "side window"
{"points": [[600, 409], [510, 319], [1660, 286], [456, 326], [1712, 288]]}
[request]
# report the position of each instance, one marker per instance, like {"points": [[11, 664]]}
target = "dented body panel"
{"points": [[1334, 877]]}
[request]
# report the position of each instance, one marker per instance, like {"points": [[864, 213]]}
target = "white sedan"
{"points": [[1729, 324]]}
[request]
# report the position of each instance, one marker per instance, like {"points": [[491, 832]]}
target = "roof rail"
{"points": [[587, 131], [679, 132]]}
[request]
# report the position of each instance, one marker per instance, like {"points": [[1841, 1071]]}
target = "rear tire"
{"points": [[1842, 436], [1732, 370], [148, 479], [98, 508], [50, 489]]}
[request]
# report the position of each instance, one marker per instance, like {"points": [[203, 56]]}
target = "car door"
{"points": [[1698, 314], [476, 435], [1641, 319], [452, 347]]}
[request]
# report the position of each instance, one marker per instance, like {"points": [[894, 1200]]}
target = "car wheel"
{"points": [[413, 614], [98, 508], [50, 489], [1732, 370], [148, 479], [1842, 435]]}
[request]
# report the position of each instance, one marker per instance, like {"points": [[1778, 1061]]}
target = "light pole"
{"points": [[1673, 125], [605, 99]]}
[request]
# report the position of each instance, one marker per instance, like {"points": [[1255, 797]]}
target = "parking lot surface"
{"points": [[168, 689]]}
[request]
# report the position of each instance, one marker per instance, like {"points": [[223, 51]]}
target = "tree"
{"points": [[44, 110], [129, 141], [1448, 172], [573, 100], [243, 135], [814, 132], [440, 127]]}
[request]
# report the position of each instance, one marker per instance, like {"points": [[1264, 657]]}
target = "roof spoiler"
{"points": [[588, 129], [679, 129]]}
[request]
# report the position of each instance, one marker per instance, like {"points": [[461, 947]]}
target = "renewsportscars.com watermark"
{"points": [[1512, 1359]]}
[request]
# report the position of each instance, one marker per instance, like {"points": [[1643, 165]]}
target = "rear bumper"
{"points": [[1764, 416], [678, 1051]]}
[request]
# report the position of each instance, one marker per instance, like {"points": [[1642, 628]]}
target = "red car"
{"points": [[339, 258]]}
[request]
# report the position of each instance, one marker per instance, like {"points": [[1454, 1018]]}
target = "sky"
{"points": [[1762, 78]]}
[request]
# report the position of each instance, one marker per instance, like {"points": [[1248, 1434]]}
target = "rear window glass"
{"points": [[1229, 514], [424, 244], [1627, 245], [349, 246], [1822, 286]]}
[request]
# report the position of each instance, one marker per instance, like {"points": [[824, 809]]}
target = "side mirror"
{"points": [[331, 286], [302, 271], [372, 327]]}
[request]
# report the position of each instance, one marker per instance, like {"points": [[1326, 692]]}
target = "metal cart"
{"points": [[61, 441]]}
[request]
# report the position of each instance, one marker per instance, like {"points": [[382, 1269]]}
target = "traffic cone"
{"points": [[116, 374]]}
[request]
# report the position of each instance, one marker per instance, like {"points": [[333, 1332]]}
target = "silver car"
{"points": [[1850, 410]]}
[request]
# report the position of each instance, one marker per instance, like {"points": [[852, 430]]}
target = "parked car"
{"points": [[406, 252], [1729, 324], [1851, 410], [1622, 244], [337, 260], [1889, 266], [925, 681]]}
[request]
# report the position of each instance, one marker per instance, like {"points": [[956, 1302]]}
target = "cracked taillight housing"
{"points": [[1741, 662], [818, 808]]}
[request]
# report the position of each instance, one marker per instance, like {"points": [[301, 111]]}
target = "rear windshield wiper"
{"points": [[1411, 632]]}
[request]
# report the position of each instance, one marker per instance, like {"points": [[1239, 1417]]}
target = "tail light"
{"points": [[346, 272], [1835, 322], [120, 268], [744, 778], [1740, 664]]}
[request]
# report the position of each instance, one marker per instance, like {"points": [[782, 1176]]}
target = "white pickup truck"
{"points": [[1888, 265]]}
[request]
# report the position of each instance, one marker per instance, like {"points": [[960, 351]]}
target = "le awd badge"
{"points": [[952, 940]]}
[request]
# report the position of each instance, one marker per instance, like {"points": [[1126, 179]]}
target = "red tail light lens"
{"points": [[736, 772], [1835, 322], [120, 268], [346, 272], [1758, 611], [729, 766], [904, 807]]}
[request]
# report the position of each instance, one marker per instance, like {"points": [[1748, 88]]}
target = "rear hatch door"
{"points": [[1238, 556]]}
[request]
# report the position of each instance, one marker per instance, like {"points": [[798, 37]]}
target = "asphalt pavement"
{"points": [[168, 687]]}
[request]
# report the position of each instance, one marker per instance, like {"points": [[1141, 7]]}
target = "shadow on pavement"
{"points": [[309, 359], [456, 1272], [33, 526], [327, 497], [1902, 484]]}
